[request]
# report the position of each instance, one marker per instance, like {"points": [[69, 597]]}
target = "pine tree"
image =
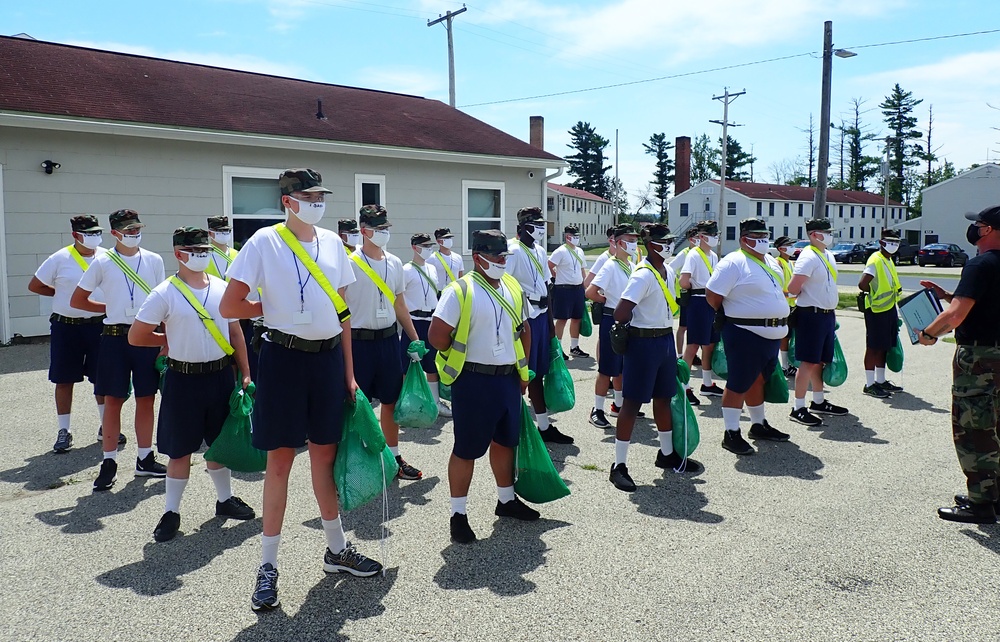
{"points": [[736, 160], [860, 168], [903, 153], [702, 156], [663, 175], [587, 164]]}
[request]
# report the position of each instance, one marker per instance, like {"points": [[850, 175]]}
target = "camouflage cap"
{"points": [[85, 223], [783, 241], [818, 225], [656, 233], [301, 180], [347, 226], [623, 229], [373, 216], [125, 219], [489, 242], [691, 232], [219, 224], [571, 229], [421, 238], [611, 230], [890, 235], [530, 215], [443, 233], [708, 228], [749, 225], [192, 237]]}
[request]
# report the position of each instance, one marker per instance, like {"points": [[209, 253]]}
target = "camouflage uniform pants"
{"points": [[975, 417]]}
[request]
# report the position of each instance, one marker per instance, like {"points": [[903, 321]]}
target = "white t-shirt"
{"points": [[62, 273], [694, 265], [599, 263], [420, 295], [820, 289], [370, 309], [305, 310], [612, 280], [187, 336], [521, 267], [750, 292], [651, 309], [678, 263], [122, 298], [488, 344], [455, 264], [569, 262]]}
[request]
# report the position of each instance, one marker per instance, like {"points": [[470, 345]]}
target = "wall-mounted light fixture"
{"points": [[49, 166]]}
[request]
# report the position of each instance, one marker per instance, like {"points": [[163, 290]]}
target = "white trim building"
{"points": [[566, 205], [946, 204]]}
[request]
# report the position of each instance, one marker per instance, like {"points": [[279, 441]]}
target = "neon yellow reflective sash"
{"points": [[75, 253], [534, 259], [704, 258], [492, 291], [129, 272], [203, 314], [572, 251], [343, 313], [786, 270], [822, 255], [671, 301], [886, 282], [777, 277], [376, 279], [228, 255], [626, 268], [444, 264], [426, 278]]}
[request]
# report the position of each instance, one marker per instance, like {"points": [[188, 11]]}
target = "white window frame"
{"points": [[493, 185], [229, 172], [368, 178]]}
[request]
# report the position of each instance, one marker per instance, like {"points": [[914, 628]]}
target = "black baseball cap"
{"points": [[990, 216]]}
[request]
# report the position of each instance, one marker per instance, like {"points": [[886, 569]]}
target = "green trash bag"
{"points": [[444, 391], [776, 386], [719, 366], [233, 448], [683, 372], [894, 358], [560, 395], [686, 435], [161, 367], [835, 372], [535, 478], [792, 361], [586, 325], [364, 466], [416, 407]]}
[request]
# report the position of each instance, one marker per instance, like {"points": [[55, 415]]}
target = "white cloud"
{"points": [[287, 13], [404, 80]]}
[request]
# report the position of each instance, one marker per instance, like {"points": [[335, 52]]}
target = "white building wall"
{"points": [[945, 204], [592, 217]]}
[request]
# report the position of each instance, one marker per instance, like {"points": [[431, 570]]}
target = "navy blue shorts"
{"points": [[539, 357], [193, 408], [121, 363], [683, 321], [881, 329], [609, 363], [300, 395], [247, 326], [701, 323], [567, 302], [814, 334], [650, 370], [748, 356], [485, 408], [427, 363], [377, 368], [74, 351]]}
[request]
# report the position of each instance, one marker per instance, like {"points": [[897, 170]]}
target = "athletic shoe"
{"points": [[517, 509], [407, 471], [565, 357], [265, 594], [692, 399], [234, 508], [804, 417], [711, 391], [122, 439], [598, 419], [767, 432], [674, 462], [610, 394], [876, 391], [149, 467], [443, 410], [166, 530], [827, 408], [64, 441], [461, 532], [108, 475], [734, 442], [616, 410], [620, 478], [889, 386], [577, 352], [350, 561], [696, 361], [553, 436], [790, 371]]}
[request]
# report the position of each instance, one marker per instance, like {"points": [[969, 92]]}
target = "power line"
{"points": [[904, 42]]}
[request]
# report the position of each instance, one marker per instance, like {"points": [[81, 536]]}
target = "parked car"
{"points": [[942, 254], [905, 254], [797, 249], [848, 252]]}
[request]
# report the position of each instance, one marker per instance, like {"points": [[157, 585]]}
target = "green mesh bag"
{"points": [[894, 358], [560, 395], [719, 366], [835, 372], [444, 390], [685, 433], [792, 361], [233, 448], [364, 466], [535, 477], [416, 407], [586, 325], [776, 386]]}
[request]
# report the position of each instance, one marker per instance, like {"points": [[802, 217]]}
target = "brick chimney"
{"points": [[682, 164], [536, 136]]}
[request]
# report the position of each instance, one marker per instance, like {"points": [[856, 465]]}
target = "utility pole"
{"points": [[823, 165], [726, 98], [885, 185], [446, 20]]}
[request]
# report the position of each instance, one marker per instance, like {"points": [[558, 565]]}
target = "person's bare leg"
{"points": [[321, 458], [112, 426], [279, 465], [64, 398], [389, 426], [502, 463], [143, 422]]}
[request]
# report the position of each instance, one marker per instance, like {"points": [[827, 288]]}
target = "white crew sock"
{"points": [[783, 355], [542, 420], [100, 413], [144, 452], [666, 441], [869, 377], [621, 451], [336, 541], [434, 390], [800, 402], [619, 398], [395, 453], [818, 397], [222, 478], [731, 418], [269, 549], [574, 342], [879, 375], [756, 414], [505, 494], [458, 505], [706, 377], [599, 402], [174, 490], [63, 422], [111, 454]]}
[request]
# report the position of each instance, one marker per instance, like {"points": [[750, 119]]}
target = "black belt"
{"points": [[567, 286], [540, 303], [303, 345], [116, 330], [421, 314], [649, 332], [76, 320], [810, 308], [978, 344], [362, 334], [766, 323], [187, 367], [609, 313], [482, 368], [697, 291]]}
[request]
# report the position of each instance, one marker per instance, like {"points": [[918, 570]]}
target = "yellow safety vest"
{"points": [[786, 271], [228, 256], [884, 288], [451, 361]]}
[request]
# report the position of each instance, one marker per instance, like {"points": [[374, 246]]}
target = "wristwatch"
{"points": [[929, 336]]}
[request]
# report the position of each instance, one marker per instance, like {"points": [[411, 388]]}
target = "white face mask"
{"points": [[891, 248], [632, 247], [310, 213], [574, 240], [425, 252], [223, 238], [131, 240], [711, 241], [380, 238], [664, 250], [538, 233], [493, 270], [197, 261], [760, 246], [91, 241], [353, 239], [825, 239], [447, 243], [784, 249]]}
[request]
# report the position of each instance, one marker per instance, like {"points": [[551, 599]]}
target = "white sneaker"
{"points": [[443, 410]]}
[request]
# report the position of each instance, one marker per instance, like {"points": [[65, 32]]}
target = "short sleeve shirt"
{"points": [[421, 293], [980, 282], [651, 309], [694, 265], [599, 263], [122, 297], [187, 336], [62, 273], [820, 288], [678, 263], [533, 282], [751, 292], [612, 280], [491, 331], [455, 263], [569, 262], [370, 308]]}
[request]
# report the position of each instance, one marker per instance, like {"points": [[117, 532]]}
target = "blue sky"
{"points": [[513, 49]]}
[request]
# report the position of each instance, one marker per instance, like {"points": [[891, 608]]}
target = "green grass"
{"points": [[590, 467], [847, 301], [948, 339], [595, 251]]}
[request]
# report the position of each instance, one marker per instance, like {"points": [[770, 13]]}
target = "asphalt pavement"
{"points": [[832, 536]]}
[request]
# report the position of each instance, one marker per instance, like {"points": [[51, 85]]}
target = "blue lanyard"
{"points": [[381, 297], [497, 313], [128, 282], [302, 286]]}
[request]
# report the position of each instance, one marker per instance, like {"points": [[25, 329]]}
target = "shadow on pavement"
{"points": [[164, 563], [780, 459], [675, 496], [560, 452], [30, 357], [498, 562], [90, 509], [424, 436], [987, 534], [847, 429], [906, 401], [366, 521], [334, 601], [48, 470]]}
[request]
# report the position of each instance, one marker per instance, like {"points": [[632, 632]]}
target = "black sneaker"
{"points": [[889, 386], [711, 391], [265, 594], [234, 508], [565, 357], [350, 561], [598, 419], [108, 475], [407, 471], [696, 361], [620, 478], [674, 462], [122, 439], [149, 467], [827, 408], [790, 371], [767, 432], [804, 417], [461, 532], [64, 441], [876, 391], [167, 528], [517, 509], [616, 410], [577, 352], [693, 400], [734, 442], [553, 436], [969, 514]]}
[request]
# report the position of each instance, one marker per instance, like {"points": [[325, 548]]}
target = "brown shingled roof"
{"points": [[769, 192], [578, 193], [62, 80]]}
